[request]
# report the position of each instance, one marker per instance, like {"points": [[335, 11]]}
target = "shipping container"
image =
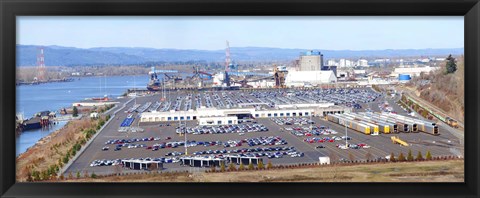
{"points": [[350, 123], [398, 125]]}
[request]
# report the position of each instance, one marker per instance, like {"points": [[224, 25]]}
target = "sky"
{"points": [[211, 32]]}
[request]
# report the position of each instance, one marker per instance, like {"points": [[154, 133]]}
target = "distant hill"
{"points": [[68, 56]]}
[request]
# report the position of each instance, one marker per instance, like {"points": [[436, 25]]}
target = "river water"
{"points": [[53, 96]]}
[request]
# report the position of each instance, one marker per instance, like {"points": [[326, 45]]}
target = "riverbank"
{"points": [[36, 82], [56, 96], [43, 160]]}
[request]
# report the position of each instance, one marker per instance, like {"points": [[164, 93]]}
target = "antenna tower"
{"points": [[227, 57], [40, 64]]}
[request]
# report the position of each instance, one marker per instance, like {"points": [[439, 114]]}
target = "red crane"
{"points": [[227, 57]]}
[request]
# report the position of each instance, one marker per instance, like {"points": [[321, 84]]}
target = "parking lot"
{"points": [[181, 101], [272, 140]]}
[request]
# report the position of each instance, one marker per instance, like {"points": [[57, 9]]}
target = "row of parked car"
{"points": [[293, 121], [114, 162], [239, 128], [326, 139], [349, 96], [270, 152], [305, 131], [133, 140], [130, 143], [353, 146], [245, 150]]}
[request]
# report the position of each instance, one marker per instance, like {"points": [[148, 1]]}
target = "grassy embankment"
{"points": [[43, 160], [423, 171], [445, 91]]}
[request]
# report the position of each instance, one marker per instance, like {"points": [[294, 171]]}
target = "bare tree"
{"points": [[118, 169], [368, 156], [333, 157]]}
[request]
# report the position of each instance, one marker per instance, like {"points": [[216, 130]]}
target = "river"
{"points": [[53, 96]]}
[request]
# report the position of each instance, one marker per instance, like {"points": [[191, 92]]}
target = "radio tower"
{"points": [[227, 57], [40, 64]]}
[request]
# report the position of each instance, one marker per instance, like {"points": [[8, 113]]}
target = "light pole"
{"points": [[346, 130], [185, 132], [134, 90]]}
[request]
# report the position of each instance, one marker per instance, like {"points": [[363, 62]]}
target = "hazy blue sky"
{"points": [[322, 32]]}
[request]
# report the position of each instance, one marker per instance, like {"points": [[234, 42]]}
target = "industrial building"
{"points": [[217, 120], [214, 116], [301, 78], [311, 61], [142, 165], [412, 71]]}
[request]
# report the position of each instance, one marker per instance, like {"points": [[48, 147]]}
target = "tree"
{"points": [[419, 156], [428, 156], [241, 167], [451, 65], [424, 113], [93, 175], [269, 165], [75, 111], [222, 166], [45, 175], [232, 167], [70, 175], [392, 157], [260, 165], [404, 98], [401, 158], [29, 177], [78, 174], [36, 175], [250, 166], [410, 156], [213, 169]]}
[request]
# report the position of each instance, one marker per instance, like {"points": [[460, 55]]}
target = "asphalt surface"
{"points": [[381, 145]]}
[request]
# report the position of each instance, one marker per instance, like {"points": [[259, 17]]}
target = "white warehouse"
{"points": [[413, 71], [218, 120], [296, 78]]}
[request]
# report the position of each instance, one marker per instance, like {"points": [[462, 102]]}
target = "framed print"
{"points": [[309, 98]]}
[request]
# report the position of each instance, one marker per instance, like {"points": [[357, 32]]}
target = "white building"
{"points": [[214, 116], [359, 72], [345, 63], [310, 77], [262, 84], [413, 71], [218, 120], [332, 62], [324, 160], [362, 63]]}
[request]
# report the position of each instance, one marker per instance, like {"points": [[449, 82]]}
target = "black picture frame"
{"points": [[9, 9]]}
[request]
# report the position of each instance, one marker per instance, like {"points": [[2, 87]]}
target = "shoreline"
{"points": [[44, 140], [26, 139]]}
